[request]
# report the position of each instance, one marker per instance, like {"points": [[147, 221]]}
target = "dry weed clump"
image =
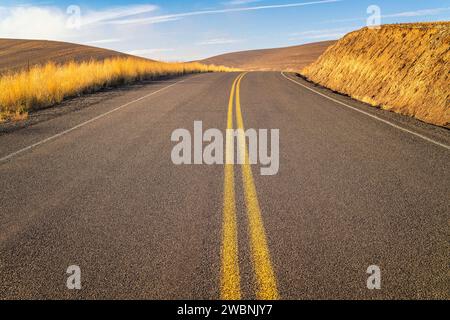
{"points": [[44, 86]]}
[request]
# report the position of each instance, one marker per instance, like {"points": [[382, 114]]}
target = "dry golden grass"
{"points": [[402, 68], [44, 86]]}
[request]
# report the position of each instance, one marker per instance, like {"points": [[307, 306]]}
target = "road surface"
{"points": [[97, 188]]}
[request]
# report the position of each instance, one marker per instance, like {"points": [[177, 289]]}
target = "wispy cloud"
{"points": [[93, 17], [418, 13], [315, 32], [335, 35], [218, 41], [103, 41], [146, 52], [405, 14], [240, 2], [176, 16], [332, 33]]}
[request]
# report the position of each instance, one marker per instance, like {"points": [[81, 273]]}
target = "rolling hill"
{"points": [[19, 54], [278, 59]]}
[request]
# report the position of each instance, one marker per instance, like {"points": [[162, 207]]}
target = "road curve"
{"points": [[97, 188]]}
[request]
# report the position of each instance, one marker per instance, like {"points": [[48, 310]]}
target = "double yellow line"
{"points": [[262, 265]]}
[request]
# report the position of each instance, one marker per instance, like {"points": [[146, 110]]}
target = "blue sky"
{"points": [[175, 30]]}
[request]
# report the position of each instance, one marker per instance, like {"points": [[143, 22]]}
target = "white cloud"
{"points": [[32, 22]]}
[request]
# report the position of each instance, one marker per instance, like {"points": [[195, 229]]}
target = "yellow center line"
{"points": [[265, 276], [230, 278]]}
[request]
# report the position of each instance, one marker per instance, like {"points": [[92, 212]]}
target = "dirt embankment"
{"points": [[403, 68]]}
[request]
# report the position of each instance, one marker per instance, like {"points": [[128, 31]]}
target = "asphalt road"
{"points": [[97, 188]]}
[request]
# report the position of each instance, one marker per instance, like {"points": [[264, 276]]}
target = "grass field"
{"points": [[43, 86]]}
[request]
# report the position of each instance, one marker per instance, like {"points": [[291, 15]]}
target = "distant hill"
{"points": [[400, 67], [278, 59], [19, 54]]}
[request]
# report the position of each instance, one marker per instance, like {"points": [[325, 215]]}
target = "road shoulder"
{"points": [[46, 123], [441, 135]]}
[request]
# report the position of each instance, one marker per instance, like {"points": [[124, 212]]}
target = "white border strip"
{"points": [[371, 115], [85, 123]]}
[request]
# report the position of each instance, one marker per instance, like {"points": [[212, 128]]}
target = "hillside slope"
{"points": [[402, 68], [279, 59], [19, 54]]}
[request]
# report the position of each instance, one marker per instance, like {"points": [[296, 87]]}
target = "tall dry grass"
{"points": [[44, 86], [403, 68]]}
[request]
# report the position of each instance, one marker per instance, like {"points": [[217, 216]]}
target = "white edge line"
{"points": [[85, 123], [370, 115]]}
